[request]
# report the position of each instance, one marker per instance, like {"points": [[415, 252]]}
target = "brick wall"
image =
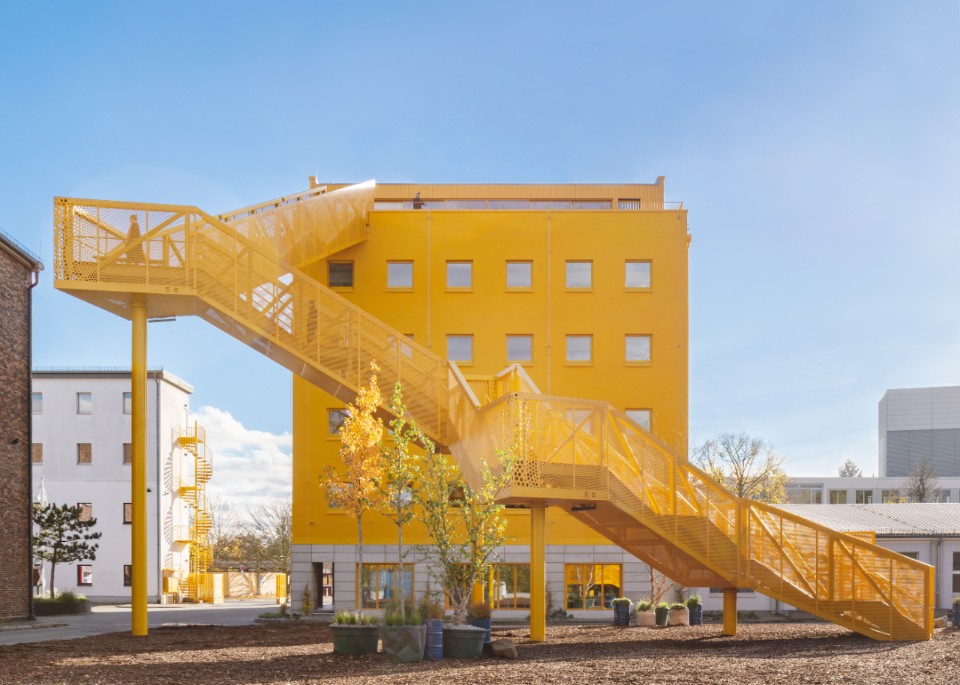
{"points": [[15, 559]]}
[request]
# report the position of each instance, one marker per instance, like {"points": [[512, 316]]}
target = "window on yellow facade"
{"points": [[335, 419], [460, 275], [579, 275], [340, 274], [637, 275], [580, 348], [519, 275], [380, 583], [460, 348], [592, 586], [638, 348], [511, 586], [519, 348], [400, 275], [640, 416]]}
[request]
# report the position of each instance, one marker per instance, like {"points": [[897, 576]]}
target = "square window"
{"points": [[592, 586], [340, 274], [459, 274], [637, 274], [864, 496], [399, 274], [84, 403], [460, 348], [378, 584], [128, 512], [128, 403], [579, 348], [519, 348], [86, 511], [519, 275], [838, 497], [638, 348], [84, 453], [640, 416], [579, 275], [36, 402], [128, 453], [36, 453], [888, 496], [127, 575], [84, 574], [335, 419]]}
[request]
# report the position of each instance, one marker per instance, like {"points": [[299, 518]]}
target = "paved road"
{"points": [[111, 619]]}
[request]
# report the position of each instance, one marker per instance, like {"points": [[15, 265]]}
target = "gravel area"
{"points": [[301, 653]]}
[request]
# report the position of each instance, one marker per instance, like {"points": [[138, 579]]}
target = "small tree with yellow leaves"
{"points": [[356, 487]]}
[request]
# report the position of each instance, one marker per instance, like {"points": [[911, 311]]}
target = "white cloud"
{"points": [[249, 466]]}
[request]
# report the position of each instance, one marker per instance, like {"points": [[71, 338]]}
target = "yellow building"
{"points": [[585, 286]]}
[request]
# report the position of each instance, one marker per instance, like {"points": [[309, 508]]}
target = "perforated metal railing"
{"points": [[180, 260]]}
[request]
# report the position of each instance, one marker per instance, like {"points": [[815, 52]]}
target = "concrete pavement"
{"points": [[107, 618]]}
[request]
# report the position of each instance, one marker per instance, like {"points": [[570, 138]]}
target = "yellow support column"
{"points": [[730, 611], [538, 573], [476, 593], [138, 498]]}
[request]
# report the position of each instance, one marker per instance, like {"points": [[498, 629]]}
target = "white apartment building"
{"points": [[81, 455], [920, 422], [861, 490]]}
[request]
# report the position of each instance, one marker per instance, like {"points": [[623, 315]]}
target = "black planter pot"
{"points": [[621, 614], [956, 614], [696, 615], [662, 613]]}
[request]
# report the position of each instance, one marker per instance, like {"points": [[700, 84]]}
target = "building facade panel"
{"points": [[920, 423]]}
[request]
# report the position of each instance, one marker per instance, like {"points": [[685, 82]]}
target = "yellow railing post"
{"points": [[138, 498], [538, 574]]}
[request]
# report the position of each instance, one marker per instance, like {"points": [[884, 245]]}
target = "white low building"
{"points": [[862, 490], [81, 455]]}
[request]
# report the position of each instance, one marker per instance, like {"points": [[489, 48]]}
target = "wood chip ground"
{"points": [[301, 652]]}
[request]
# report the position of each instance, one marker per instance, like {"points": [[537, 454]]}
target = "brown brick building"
{"points": [[19, 272]]}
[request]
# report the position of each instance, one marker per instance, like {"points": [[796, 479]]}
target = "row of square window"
{"points": [[84, 402], [579, 348], [814, 495], [641, 417], [519, 274], [84, 453], [588, 586], [86, 511], [85, 574]]}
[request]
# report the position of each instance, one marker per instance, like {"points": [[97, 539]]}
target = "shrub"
{"points": [[406, 614], [644, 605], [694, 601], [678, 605], [621, 601], [353, 618], [479, 610], [63, 598], [663, 605], [431, 608]]}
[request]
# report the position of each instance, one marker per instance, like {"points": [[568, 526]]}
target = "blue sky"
{"points": [[815, 144]]}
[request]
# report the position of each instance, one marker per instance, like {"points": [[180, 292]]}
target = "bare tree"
{"points": [[267, 533], [225, 528], [922, 484], [849, 469], [744, 464]]}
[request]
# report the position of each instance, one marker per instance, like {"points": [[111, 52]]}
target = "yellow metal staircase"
{"points": [[193, 489], [237, 272]]}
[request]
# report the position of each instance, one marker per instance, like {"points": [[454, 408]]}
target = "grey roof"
{"points": [[18, 250], [884, 519]]}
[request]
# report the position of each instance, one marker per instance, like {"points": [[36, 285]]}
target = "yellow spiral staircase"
{"points": [[237, 272], [193, 489]]}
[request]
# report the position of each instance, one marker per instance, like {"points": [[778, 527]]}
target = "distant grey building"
{"points": [[920, 422]]}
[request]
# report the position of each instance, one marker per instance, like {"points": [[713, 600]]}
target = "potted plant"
{"points": [[695, 607], [621, 611], [462, 641], [478, 614], [354, 633], [661, 613], [403, 633], [432, 612], [645, 613], [679, 616]]}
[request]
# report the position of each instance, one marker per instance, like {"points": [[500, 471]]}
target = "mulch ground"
{"points": [[301, 652]]}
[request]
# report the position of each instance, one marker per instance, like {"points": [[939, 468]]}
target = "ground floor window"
{"points": [[127, 575], [511, 586], [380, 583], [956, 572], [84, 574], [592, 586]]}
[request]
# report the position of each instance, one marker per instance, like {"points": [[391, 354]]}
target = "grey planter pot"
{"points": [[460, 642], [61, 608], [404, 643], [355, 639]]}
